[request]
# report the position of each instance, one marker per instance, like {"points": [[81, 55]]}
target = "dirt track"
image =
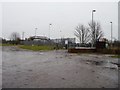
{"points": [[57, 69]]}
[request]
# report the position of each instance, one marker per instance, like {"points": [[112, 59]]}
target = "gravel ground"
{"points": [[57, 69]]}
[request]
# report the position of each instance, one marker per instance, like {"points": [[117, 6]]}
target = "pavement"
{"points": [[57, 69]]}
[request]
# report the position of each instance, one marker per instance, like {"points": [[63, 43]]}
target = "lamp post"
{"points": [[60, 34], [49, 29], [23, 35], [35, 31], [93, 36], [111, 33]]}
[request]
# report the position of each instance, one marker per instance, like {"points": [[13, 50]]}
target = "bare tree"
{"points": [[15, 36], [96, 31], [83, 34]]}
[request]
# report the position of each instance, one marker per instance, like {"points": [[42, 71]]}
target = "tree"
{"points": [[15, 37], [83, 34], [31, 38], [96, 31]]}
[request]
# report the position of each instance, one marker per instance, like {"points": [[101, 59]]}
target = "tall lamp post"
{"points": [[93, 36], [35, 31], [111, 33], [49, 29], [60, 34], [23, 35]]}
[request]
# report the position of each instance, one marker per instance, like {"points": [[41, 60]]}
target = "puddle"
{"points": [[111, 66], [41, 53], [104, 64], [97, 62], [116, 64], [94, 62], [30, 70]]}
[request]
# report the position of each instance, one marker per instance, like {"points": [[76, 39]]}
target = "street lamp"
{"points": [[92, 15], [94, 37], [35, 31], [60, 34], [49, 29], [111, 33], [23, 35]]}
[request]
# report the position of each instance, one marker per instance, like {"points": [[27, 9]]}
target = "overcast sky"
{"points": [[64, 16]]}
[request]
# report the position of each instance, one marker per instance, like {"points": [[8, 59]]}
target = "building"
{"points": [[65, 42], [42, 40], [36, 40]]}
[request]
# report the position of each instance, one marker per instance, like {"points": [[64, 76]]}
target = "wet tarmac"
{"points": [[57, 69]]}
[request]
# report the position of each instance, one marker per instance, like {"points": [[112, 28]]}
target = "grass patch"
{"points": [[7, 45], [115, 56], [37, 48]]}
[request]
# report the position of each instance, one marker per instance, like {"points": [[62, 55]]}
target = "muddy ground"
{"points": [[57, 69]]}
